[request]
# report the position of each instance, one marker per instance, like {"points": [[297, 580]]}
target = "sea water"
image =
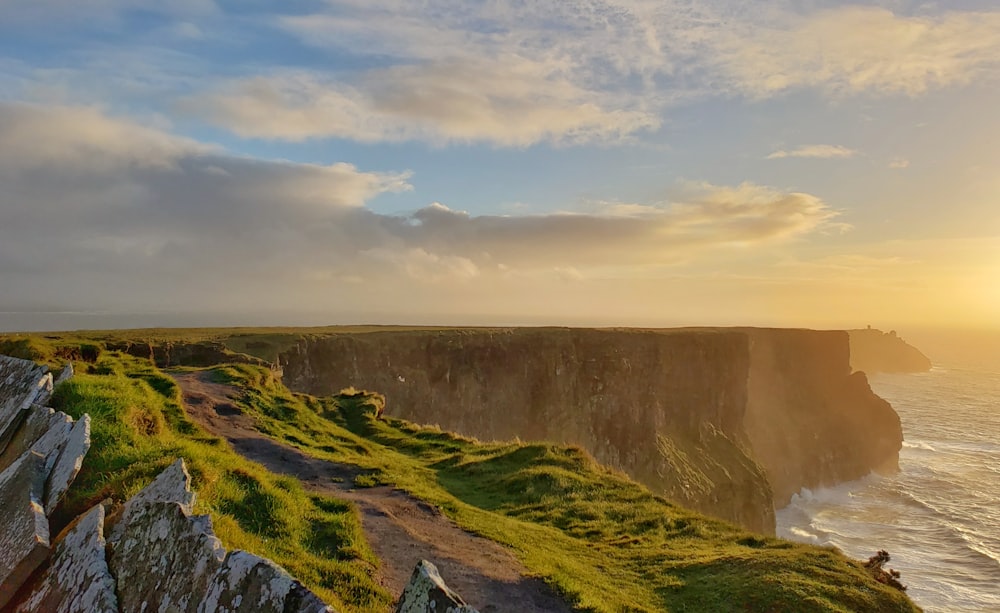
{"points": [[939, 517]]}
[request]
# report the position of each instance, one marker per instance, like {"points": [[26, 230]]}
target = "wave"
{"points": [[918, 445]]}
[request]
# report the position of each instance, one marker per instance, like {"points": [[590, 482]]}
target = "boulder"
{"points": [[427, 593], [24, 529], [78, 579]]}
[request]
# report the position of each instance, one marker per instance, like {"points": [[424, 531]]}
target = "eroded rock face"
{"points": [[810, 421], [427, 593], [78, 579], [709, 418], [24, 528]]}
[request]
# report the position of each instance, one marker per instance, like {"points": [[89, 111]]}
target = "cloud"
{"points": [[814, 151], [899, 163], [506, 102], [99, 212], [512, 74], [855, 49]]}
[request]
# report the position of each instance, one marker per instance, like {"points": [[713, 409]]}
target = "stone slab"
{"points": [[22, 382], [38, 421], [173, 484], [24, 529], [78, 579], [64, 375], [427, 593], [161, 559], [247, 583], [67, 466]]}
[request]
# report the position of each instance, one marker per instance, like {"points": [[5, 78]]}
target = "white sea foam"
{"points": [[938, 517]]}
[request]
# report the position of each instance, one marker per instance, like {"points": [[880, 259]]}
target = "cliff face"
{"points": [[710, 418], [810, 421], [876, 351]]}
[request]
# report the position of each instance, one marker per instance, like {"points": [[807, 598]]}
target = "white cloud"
{"points": [[590, 70], [899, 163], [814, 151], [508, 101], [99, 211], [854, 49]]}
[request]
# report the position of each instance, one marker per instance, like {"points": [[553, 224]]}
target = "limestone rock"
{"points": [[165, 559], [69, 463], [24, 529], [250, 583], [162, 560], [78, 579], [22, 382], [171, 485], [427, 593], [37, 422], [66, 374]]}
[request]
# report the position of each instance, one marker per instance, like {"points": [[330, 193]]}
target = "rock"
{"points": [[22, 382], [171, 485], [66, 374], [78, 579], [165, 559], [888, 577], [24, 529], [69, 463], [427, 593], [250, 583], [162, 560], [37, 422]]}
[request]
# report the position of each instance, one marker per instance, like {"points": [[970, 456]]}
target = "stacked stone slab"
{"points": [[161, 557], [41, 452]]}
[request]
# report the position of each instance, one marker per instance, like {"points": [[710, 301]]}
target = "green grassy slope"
{"points": [[602, 540]]}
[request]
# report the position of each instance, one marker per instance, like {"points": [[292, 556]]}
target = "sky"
{"points": [[569, 162]]}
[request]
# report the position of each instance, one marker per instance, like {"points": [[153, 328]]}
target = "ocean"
{"points": [[939, 517]]}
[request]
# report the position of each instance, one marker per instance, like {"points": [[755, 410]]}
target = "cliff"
{"points": [[724, 421], [810, 420], [876, 351]]}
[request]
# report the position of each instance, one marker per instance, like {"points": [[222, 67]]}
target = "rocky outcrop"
{"points": [[427, 593], [875, 351], [724, 421], [164, 558], [158, 556], [40, 454], [78, 579]]}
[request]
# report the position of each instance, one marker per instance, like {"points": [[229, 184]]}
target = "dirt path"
{"points": [[401, 529]]}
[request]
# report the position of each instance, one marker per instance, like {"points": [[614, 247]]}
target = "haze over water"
{"points": [[939, 516]]}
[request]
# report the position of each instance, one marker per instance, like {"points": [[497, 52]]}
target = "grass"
{"points": [[138, 428], [603, 541]]}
